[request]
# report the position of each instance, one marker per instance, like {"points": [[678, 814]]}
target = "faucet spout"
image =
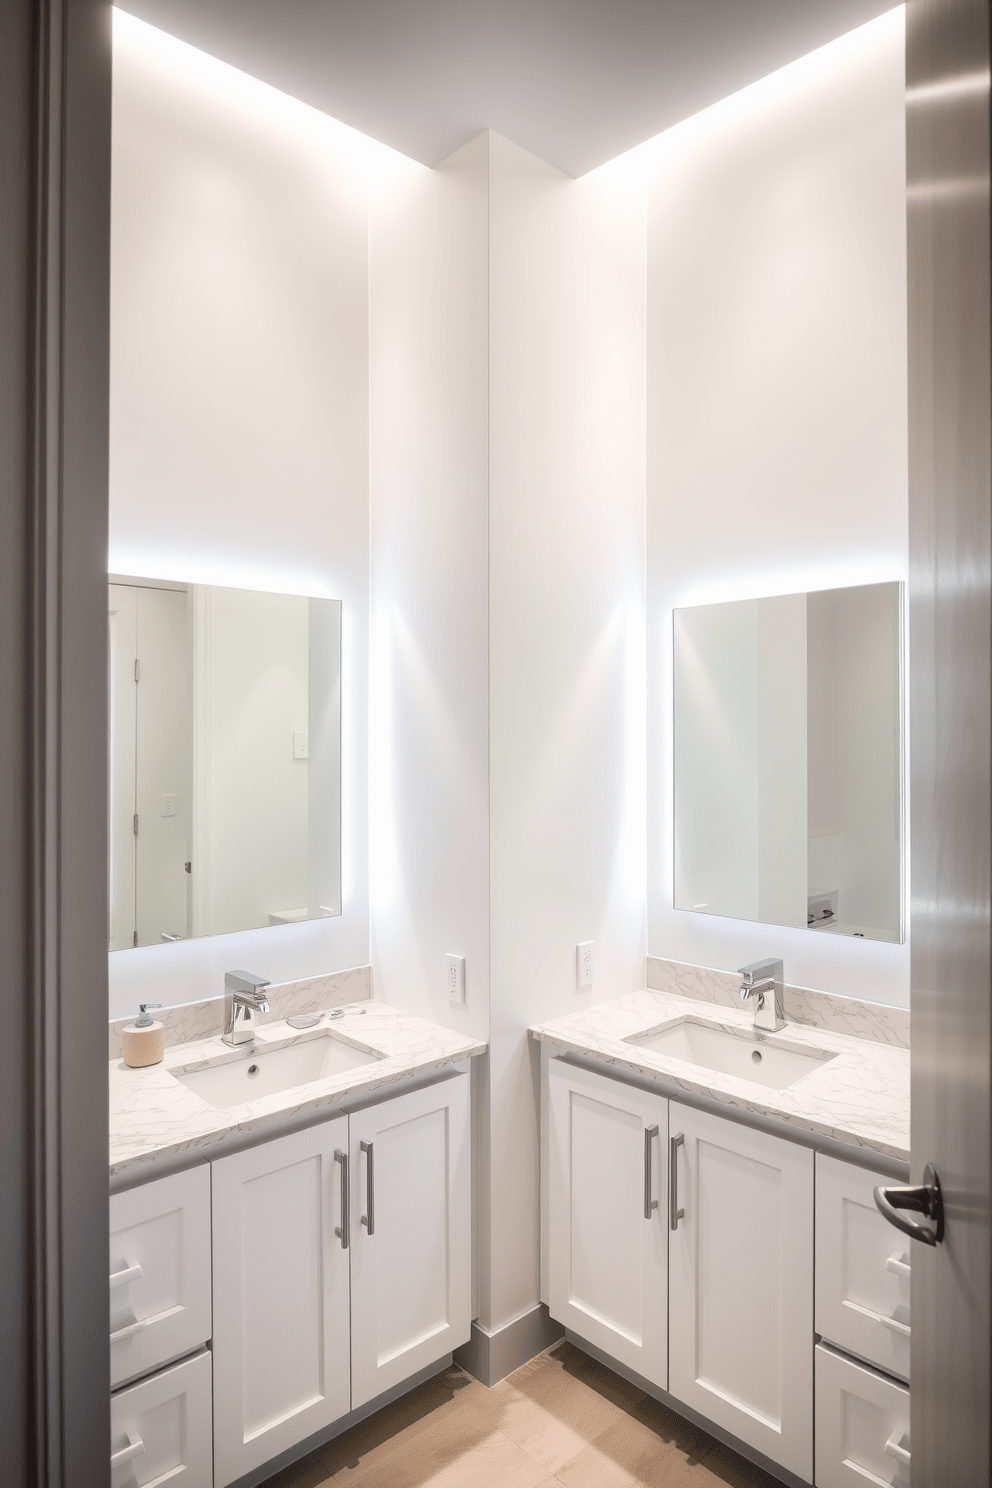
{"points": [[243, 998], [762, 982]]}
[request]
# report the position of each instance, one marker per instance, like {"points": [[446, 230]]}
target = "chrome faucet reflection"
{"points": [[763, 984], [243, 998]]}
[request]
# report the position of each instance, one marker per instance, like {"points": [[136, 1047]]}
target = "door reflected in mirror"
{"points": [[224, 760], [789, 772]]}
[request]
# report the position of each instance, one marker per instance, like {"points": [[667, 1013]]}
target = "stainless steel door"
{"points": [[950, 696]]}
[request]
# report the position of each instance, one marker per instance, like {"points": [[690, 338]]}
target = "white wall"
{"points": [[777, 435], [429, 680], [239, 404], [566, 362]]}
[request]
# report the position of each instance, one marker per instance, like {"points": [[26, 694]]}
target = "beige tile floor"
{"points": [[562, 1421]]}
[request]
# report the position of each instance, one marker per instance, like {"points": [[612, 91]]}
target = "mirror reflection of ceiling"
{"points": [[576, 82]]}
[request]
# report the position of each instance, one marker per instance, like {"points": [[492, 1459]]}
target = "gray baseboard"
{"points": [[490, 1357]]}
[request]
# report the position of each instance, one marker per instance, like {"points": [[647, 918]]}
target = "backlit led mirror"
{"points": [[224, 760], [789, 760]]}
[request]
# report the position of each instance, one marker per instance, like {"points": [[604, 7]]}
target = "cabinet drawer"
{"points": [[862, 1269], [862, 1425], [160, 1429], [159, 1273]]}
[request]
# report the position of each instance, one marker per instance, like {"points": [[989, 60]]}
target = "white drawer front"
{"points": [[862, 1269], [862, 1425], [159, 1273], [160, 1429]]}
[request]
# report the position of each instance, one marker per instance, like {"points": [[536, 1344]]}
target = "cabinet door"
{"points": [[741, 1284], [862, 1425], [160, 1429], [410, 1234], [608, 1216], [862, 1268], [281, 1321], [159, 1273]]}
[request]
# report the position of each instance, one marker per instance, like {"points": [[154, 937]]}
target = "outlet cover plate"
{"points": [[584, 963], [454, 977]]}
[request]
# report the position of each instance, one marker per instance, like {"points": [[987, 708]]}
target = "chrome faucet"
{"points": [[762, 982], [243, 998]]}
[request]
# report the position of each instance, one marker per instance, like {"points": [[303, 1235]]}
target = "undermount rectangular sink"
{"points": [[271, 1071], [763, 1061]]}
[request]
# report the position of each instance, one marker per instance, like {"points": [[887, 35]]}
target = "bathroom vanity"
{"points": [[290, 1239], [709, 1228]]}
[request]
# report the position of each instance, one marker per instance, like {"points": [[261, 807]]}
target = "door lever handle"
{"points": [[924, 1198]]}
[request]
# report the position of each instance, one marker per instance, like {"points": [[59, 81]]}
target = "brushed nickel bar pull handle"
{"points": [[649, 1203], [674, 1213], [369, 1219], [344, 1228]]}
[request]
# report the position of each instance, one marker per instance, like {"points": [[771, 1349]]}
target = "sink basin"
{"points": [[763, 1061], [270, 1071]]}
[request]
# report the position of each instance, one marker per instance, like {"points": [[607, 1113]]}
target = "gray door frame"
{"points": [[950, 521], [54, 343]]}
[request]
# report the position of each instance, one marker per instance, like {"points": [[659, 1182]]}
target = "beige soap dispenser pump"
{"points": [[143, 1041]]}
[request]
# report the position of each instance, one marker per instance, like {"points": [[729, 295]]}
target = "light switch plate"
{"points": [[584, 963], [301, 743], [168, 804], [454, 974]]}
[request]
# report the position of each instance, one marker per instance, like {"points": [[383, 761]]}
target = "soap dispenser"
{"points": [[143, 1041]]}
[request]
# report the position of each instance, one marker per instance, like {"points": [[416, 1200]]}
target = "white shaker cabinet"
{"points": [[863, 1269], [411, 1284], [741, 1283], [159, 1273], [160, 1429], [862, 1425], [281, 1296], [608, 1216]]}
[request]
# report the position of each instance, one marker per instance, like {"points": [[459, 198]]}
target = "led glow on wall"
{"points": [[230, 88]]}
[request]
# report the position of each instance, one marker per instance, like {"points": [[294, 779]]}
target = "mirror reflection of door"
{"points": [[224, 760], [150, 766]]}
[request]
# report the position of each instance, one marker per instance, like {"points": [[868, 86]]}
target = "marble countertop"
{"points": [[860, 1097], [154, 1118]]}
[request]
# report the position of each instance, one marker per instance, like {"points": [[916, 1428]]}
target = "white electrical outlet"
{"points": [[301, 743], [168, 804], [583, 963], [454, 975]]}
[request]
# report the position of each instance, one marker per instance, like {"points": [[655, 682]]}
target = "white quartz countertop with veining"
{"points": [[860, 1096], [154, 1118]]}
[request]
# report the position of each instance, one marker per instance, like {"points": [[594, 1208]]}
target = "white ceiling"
{"points": [[574, 81]]}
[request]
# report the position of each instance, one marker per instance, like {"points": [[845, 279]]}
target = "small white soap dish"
{"points": [[304, 1020]]}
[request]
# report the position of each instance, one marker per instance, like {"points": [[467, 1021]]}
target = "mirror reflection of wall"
{"points": [[225, 760], [788, 760]]}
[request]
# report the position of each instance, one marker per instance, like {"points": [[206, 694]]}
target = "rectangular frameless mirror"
{"points": [[789, 760], [224, 760]]}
